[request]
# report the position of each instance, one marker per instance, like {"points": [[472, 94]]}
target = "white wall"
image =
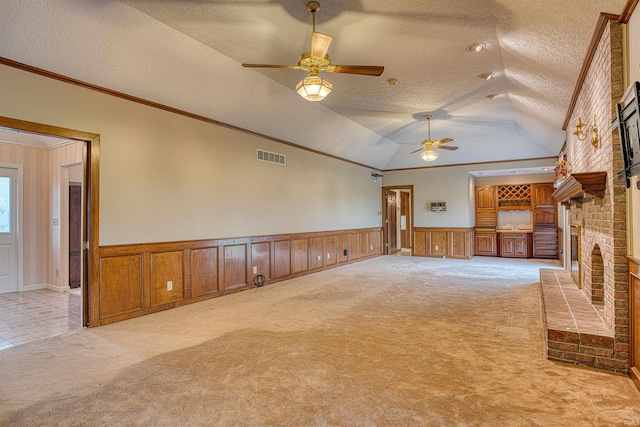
{"points": [[165, 177], [634, 75], [453, 185]]}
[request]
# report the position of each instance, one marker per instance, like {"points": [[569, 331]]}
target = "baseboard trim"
{"points": [[58, 289], [34, 287]]}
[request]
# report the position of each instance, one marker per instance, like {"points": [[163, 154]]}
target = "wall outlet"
{"points": [[346, 252], [255, 270], [436, 247], [328, 255], [170, 285], [371, 247], [319, 258], [56, 221]]}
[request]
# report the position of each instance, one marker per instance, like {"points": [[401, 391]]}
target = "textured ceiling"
{"points": [[187, 54]]}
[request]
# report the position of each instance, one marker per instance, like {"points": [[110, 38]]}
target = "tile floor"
{"points": [[33, 315]]}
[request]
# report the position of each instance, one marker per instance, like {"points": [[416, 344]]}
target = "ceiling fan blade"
{"points": [[419, 149], [445, 147], [443, 141], [366, 70], [320, 45], [294, 67]]}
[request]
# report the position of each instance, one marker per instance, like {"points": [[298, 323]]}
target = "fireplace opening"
{"points": [[575, 255]]}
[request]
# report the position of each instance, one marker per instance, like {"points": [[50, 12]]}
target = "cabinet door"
{"points": [[486, 244], [541, 195], [508, 246], [486, 198], [520, 247], [544, 217]]}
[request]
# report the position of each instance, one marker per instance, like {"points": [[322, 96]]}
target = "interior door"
{"points": [[75, 235], [8, 232], [404, 213], [392, 222]]}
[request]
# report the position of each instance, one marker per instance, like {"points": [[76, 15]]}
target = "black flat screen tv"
{"points": [[627, 113]]}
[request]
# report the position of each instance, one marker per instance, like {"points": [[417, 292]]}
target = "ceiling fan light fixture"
{"points": [[314, 88], [429, 155]]}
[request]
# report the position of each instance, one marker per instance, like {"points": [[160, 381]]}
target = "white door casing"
{"points": [[10, 223]]}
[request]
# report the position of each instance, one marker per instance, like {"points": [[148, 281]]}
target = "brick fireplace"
{"points": [[595, 223]]}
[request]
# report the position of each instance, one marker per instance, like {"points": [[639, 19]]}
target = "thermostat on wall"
{"points": [[438, 206]]}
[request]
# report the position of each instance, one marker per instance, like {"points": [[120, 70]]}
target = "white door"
{"points": [[8, 231]]}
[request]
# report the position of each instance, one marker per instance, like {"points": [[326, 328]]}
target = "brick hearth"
{"points": [[575, 330]]}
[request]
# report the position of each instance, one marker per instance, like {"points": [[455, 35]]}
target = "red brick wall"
{"points": [[603, 219]]}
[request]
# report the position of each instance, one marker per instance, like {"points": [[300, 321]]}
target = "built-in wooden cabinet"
{"points": [[537, 198], [516, 245], [544, 205], [486, 242], [486, 203]]}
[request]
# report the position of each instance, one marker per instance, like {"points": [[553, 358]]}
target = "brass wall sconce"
{"points": [[591, 129]]}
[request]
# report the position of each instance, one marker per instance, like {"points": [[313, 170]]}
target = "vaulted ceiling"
{"points": [[188, 55]]}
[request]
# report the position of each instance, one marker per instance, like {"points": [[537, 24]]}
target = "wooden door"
{"points": [[404, 212], [392, 222], [520, 247], [508, 246], [75, 234]]}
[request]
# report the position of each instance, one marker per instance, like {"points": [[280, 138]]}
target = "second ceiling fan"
{"points": [[429, 144], [313, 87]]}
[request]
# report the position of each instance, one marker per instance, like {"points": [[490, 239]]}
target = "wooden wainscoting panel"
{"points": [[343, 244], [330, 254], [121, 285], [235, 267], [459, 245], [261, 260], [364, 244], [374, 240], [420, 242], [316, 249], [282, 259], [300, 255], [354, 247], [204, 271], [165, 267], [438, 243]]}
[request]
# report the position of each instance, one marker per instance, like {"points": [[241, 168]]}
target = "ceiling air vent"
{"points": [[267, 156]]}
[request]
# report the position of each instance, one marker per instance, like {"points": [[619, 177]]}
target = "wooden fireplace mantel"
{"points": [[580, 186]]}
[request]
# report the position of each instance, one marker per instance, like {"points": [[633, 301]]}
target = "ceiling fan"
{"points": [[313, 87], [429, 144]]}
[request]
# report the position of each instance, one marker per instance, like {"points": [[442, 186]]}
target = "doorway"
{"points": [[88, 215], [10, 212], [397, 219]]}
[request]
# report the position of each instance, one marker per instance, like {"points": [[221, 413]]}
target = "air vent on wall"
{"points": [[267, 156]]}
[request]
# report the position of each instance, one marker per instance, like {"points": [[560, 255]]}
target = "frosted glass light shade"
{"points": [[314, 88], [429, 155]]}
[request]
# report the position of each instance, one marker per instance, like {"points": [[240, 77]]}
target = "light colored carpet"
{"points": [[392, 341]]}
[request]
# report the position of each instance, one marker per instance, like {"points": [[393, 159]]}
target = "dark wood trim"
{"points": [[65, 79], [384, 215], [554, 158], [241, 268], [579, 185], [601, 25], [628, 11], [91, 205]]}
